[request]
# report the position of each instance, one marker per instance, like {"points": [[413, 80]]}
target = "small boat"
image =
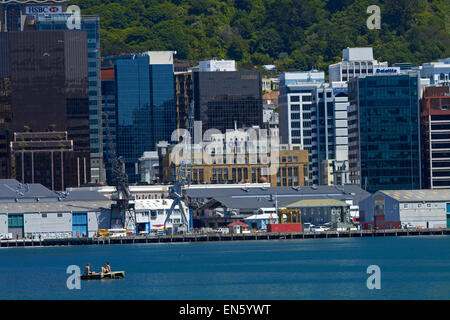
{"points": [[99, 276]]}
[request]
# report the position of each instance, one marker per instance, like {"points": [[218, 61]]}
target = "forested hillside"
{"points": [[293, 34]]}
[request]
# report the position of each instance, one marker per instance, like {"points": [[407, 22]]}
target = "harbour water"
{"points": [[411, 268]]}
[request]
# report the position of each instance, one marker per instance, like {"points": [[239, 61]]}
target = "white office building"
{"points": [[355, 62], [437, 72], [314, 113]]}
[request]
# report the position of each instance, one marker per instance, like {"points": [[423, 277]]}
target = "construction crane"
{"points": [[123, 208], [183, 175]]}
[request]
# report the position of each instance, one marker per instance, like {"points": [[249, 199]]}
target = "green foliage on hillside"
{"points": [[292, 34]]}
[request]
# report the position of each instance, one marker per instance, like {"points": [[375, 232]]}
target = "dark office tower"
{"points": [[145, 105], [435, 116], [90, 24], [221, 98], [109, 120], [184, 95], [5, 127], [384, 132], [10, 16], [49, 92]]}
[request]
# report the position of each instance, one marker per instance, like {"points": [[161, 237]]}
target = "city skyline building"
{"points": [[384, 132], [39, 62], [145, 105], [355, 62], [435, 120], [51, 15], [224, 100]]}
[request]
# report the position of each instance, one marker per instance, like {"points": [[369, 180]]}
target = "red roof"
{"points": [[237, 224]]}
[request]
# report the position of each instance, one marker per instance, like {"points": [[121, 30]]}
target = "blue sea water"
{"points": [[411, 268]]}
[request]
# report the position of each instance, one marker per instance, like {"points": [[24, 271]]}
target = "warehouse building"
{"points": [[406, 208], [217, 207], [32, 211]]}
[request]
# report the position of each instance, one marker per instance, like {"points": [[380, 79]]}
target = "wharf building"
{"points": [[32, 211], [314, 114], [394, 209], [384, 131], [355, 62], [217, 207], [48, 92], [51, 15], [435, 121], [145, 105]]}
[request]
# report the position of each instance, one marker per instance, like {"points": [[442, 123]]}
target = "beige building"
{"points": [[287, 166]]}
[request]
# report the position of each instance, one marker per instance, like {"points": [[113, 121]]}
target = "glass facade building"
{"points": [[145, 105], [223, 98], [384, 132], [90, 24], [49, 92]]}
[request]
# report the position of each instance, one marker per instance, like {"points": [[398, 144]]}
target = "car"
{"points": [[222, 230], [319, 229], [408, 226]]}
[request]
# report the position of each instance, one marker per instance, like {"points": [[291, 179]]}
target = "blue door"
{"points": [[79, 225]]}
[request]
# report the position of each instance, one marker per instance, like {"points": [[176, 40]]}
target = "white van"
{"points": [[117, 233]]}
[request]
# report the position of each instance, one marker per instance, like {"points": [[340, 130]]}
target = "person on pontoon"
{"points": [[87, 270], [107, 268]]}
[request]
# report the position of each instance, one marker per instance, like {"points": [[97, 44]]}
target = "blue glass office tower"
{"points": [[145, 105], [90, 24], [384, 132], [164, 115]]}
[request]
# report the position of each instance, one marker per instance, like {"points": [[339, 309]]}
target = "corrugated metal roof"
{"points": [[61, 206], [249, 191], [418, 195], [318, 203]]}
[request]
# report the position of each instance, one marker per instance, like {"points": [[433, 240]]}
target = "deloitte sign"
{"points": [[383, 71]]}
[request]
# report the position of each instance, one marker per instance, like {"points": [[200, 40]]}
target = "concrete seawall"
{"points": [[219, 237]]}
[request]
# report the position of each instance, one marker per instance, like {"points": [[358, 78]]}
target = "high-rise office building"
{"points": [[313, 114], [435, 118], [5, 127], [355, 62], [90, 24], [145, 105], [184, 96], [109, 118], [225, 100], [49, 93], [384, 131]]}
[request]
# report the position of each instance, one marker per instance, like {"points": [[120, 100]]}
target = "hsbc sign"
{"points": [[43, 10]]}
